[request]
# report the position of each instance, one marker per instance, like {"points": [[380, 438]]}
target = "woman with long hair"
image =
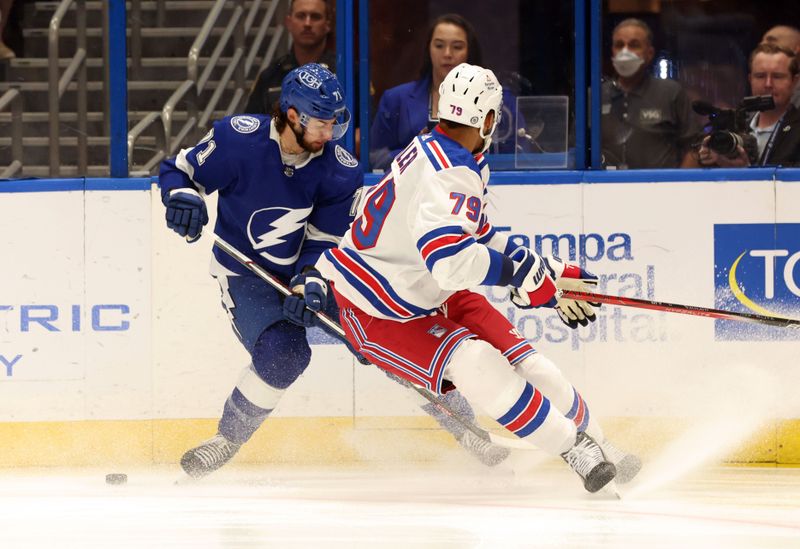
{"points": [[412, 108]]}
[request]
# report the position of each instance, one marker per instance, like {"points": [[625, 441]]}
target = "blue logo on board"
{"points": [[756, 271]]}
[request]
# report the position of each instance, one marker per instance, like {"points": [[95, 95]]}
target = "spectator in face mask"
{"points": [[646, 122]]}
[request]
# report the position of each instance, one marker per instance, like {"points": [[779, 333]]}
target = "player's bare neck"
{"points": [[467, 137]]}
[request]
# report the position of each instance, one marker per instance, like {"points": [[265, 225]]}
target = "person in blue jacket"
{"points": [[409, 109]]}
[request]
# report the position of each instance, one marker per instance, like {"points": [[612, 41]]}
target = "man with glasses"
{"points": [[309, 23], [773, 71]]}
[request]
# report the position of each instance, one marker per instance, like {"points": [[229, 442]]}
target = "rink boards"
{"points": [[113, 344]]}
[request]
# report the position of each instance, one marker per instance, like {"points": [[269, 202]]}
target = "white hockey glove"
{"points": [[532, 284], [572, 277]]}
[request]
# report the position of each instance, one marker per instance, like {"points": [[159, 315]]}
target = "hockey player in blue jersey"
{"points": [[286, 194]]}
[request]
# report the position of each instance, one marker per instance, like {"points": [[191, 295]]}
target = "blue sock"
{"points": [[241, 418], [459, 405]]}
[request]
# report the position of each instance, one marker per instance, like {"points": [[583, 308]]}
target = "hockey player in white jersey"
{"points": [[401, 275]]}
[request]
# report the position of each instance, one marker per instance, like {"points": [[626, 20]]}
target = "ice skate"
{"points": [[628, 465], [208, 456], [586, 458], [483, 449]]}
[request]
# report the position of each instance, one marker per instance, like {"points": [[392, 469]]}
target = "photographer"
{"points": [[773, 71], [789, 38]]}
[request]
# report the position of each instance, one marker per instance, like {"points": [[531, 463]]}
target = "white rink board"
{"points": [[634, 362], [82, 266], [108, 252]]}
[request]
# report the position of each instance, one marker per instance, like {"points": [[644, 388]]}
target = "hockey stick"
{"points": [[683, 309], [334, 326]]}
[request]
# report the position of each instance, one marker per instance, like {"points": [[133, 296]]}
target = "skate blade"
{"points": [[186, 480], [612, 490]]}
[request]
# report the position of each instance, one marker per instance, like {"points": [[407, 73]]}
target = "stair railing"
{"points": [[161, 144], [238, 69], [58, 85], [13, 98], [136, 32]]}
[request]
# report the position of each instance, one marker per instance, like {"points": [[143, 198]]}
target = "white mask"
{"points": [[626, 62]]}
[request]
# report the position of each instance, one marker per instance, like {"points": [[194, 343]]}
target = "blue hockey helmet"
{"points": [[315, 93]]}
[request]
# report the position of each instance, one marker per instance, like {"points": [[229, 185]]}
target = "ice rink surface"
{"points": [[443, 505]]}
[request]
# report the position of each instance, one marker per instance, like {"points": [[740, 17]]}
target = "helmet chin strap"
{"points": [[487, 139]]}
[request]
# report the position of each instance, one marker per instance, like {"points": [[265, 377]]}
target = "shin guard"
{"points": [[248, 406], [485, 378], [545, 375]]}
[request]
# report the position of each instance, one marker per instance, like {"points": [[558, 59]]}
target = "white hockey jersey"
{"points": [[420, 235]]}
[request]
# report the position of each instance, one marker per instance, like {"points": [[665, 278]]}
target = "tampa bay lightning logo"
{"points": [[309, 79], [245, 124], [345, 158], [277, 233]]}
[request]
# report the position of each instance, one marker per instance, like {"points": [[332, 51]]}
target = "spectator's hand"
{"points": [[709, 158], [741, 161]]}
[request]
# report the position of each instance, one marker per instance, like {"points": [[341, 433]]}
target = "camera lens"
{"points": [[724, 142]]}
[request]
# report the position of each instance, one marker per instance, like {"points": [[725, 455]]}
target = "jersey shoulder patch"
{"points": [[245, 124], [345, 158]]}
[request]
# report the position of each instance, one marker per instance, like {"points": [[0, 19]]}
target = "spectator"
{"points": [[309, 23], [411, 108], [789, 38], [773, 71], [784, 36], [646, 122], [5, 12]]}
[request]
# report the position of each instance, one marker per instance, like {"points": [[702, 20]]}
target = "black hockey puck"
{"points": [[116, 478]]}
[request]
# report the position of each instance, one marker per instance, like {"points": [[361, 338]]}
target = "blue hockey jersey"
{"points": [[283, 217]]}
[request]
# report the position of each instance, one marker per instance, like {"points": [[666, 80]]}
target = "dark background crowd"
{"points": [[694, 50]]}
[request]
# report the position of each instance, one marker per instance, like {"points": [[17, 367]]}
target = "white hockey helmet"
{"points": [[467, 94]]}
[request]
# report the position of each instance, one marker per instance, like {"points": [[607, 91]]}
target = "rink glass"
{"points": [[702, 45]]}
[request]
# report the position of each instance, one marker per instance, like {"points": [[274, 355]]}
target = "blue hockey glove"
{"points": [[186, 213], [295, 311], [572, 277], [310, 295]]}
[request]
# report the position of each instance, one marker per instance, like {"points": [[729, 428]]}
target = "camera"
{"points": [[729, 128]]}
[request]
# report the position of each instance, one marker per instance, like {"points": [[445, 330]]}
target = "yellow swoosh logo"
{"points": [[739, 294]]}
